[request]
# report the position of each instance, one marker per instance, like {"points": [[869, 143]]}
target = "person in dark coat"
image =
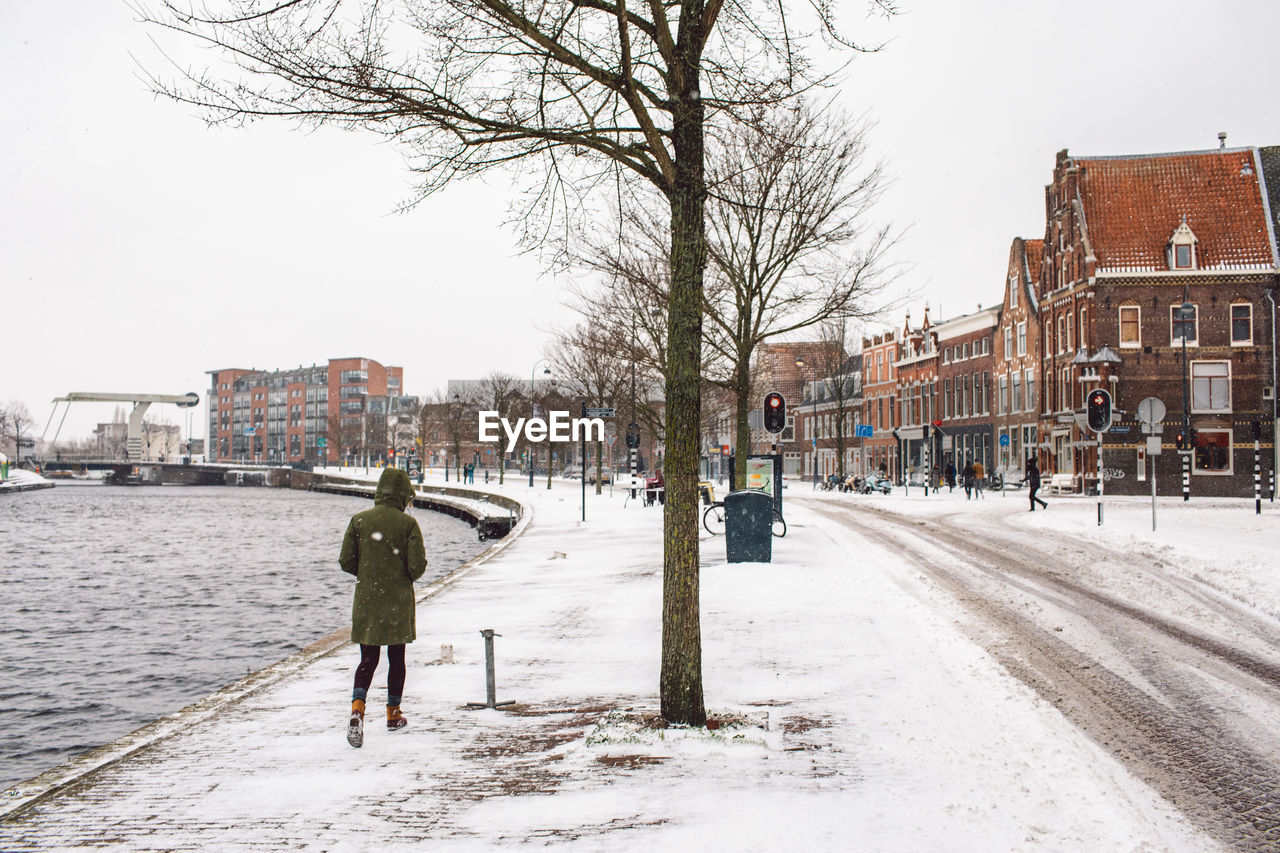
{"points": [[383, 548], [967, 474], [950, 475], [1033, 483]]}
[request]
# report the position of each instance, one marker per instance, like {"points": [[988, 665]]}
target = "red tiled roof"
{"points": [[1133, 205], [1034, 249]]}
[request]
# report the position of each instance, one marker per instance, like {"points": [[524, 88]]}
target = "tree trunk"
{"points": [[681, 677]]}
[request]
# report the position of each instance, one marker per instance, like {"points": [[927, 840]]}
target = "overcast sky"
{"points": [[141, 248]]}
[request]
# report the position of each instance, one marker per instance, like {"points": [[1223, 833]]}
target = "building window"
{"points": [[1242, 325], [1212, 452], [1184, 328], [1030, 384], [1070, 339], [1082, 330], [1210, 386], [1017, 393], [964, 350], [1003, 403], [1062, 334], [1008, 341], [1022, 338], [1130, 326], [1182, 257], [1013, 291]]}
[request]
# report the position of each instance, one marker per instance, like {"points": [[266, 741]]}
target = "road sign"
{"points": [[863, 431], [598, 412], [321, 441], [193, 399], [1004, 441], [1151, 411], [610, 431], [249, 430]]}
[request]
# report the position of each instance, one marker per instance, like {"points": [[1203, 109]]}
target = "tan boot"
{"points": [[355, 726], [395, 720]]}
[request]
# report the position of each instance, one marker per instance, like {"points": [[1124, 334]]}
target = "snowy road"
{"points": [[1176, 679]]}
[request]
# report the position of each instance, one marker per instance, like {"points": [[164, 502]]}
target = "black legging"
{"points": [[395, 673]]}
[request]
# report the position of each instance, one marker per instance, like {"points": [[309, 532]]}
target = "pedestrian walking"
{"points": [[950, 475], [967, 475], [383, 548], [979, 477], [1033, 483]]}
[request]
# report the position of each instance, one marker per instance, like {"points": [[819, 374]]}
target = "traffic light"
{"points": [[775, 412], [1099, 410], [1191, 439], [1179, 441]]}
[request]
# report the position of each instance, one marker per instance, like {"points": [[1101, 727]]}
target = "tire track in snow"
{"points": [[1179, 743]]}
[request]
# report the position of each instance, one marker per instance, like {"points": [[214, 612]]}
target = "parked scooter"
{"points": [[876, 483]]}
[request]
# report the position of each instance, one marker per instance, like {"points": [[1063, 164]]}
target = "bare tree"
{"points": [[839, 385], [500, 392], [593, 362], [603, 93], [17, 425], [792, 240]]}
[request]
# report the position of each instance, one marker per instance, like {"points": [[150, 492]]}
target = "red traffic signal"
{"points": [[1179, 441], [775, 412]]}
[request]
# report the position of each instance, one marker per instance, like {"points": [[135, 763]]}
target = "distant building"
{"points": [[350, 410]]}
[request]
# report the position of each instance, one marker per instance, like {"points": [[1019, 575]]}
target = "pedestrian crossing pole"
{"points": [[1186, 474], [1099, 478], [1257, 477]]}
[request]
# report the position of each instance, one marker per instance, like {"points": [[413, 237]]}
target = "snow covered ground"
{"points": [[871, 720]]}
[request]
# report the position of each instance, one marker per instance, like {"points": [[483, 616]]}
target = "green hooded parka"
{"points": [[383, 548]]}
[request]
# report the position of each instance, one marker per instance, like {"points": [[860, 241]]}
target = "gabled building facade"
{"points": [[1015, 361], [1154, 282], [917, 380]]}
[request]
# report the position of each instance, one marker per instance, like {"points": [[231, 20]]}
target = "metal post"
{"points": [[1257, 477], [1186, 473], [1100, 489], [583, 466], [490, 680], [1152, 457]]}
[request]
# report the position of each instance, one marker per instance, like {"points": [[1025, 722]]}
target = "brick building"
{"points": [[917, 373], [880, 400], [1015, 360], [965, 363], [1128, 242], [346, 410]]}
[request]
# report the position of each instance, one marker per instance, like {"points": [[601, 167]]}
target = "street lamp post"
{"points": [[546, 372]]}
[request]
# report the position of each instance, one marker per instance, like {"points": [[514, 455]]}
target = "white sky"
{"points": [[141, 249]]}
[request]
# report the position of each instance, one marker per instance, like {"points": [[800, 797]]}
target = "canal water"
{"points": [[119, 605]]}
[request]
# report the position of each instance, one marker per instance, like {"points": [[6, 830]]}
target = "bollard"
{"points": [[490, 680], [1257, 478]]}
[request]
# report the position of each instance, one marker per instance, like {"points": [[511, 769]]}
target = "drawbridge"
{"points": [[141, 402]]}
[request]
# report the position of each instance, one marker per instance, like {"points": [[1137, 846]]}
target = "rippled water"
{"points": [[119, 605]]}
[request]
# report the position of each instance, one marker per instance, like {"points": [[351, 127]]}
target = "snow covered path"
{"points": [[883, 725], [1180, 682]]}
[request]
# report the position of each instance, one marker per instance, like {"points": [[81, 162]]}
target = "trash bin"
{"points": [[748, 526]]}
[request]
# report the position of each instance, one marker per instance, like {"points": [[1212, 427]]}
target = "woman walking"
{"points": [[383, 548], [1033, 483]]}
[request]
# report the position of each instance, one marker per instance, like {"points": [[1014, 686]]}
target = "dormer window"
{"points": [[1182, 248]]}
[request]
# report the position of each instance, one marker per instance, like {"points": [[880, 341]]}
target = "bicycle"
{"points": [[713, 520]]}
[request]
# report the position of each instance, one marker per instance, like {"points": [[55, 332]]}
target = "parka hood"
{"points": [[394, 489]]}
